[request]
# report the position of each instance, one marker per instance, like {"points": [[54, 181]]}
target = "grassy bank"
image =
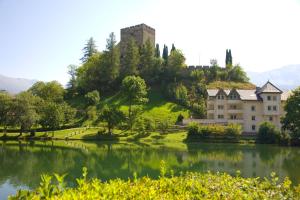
{"points": [[186, 186]]}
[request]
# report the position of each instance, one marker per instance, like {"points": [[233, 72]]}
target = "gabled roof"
{"points": [[268, 88], [251, 95]]}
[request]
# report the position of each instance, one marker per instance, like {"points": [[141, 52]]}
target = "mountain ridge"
{"points": [[15, 85], [286, 77]]}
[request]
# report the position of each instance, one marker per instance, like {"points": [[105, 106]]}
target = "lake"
{"points": [[22, 163]]}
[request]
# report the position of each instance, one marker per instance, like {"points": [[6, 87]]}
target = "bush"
{"points": [[189, 185], [179, 119], [193, 128], [268, 133], [198, 130], [92, 98]]}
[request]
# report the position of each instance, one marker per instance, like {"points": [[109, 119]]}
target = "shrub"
{"points": [[193, 128], [92, 98], [268, 133], [232, 130], [179, 119], [189, 185]]}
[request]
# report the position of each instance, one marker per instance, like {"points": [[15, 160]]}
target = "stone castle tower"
{"points": [[140, 33]]}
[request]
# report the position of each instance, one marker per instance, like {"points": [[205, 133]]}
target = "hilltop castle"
{"points": [[140, 33]]}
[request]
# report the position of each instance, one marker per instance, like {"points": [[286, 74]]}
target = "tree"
{"points": [[52, 116], [131, 59], [176, 62], [92, 75], [237, 74], [268, 133], [112, 116], [111, 60], [24, 110], [5, 110], [147, 61], [92, 98], [134, 91], [157, 51], [89, 50], [291, 120], [173, 48], [165, 54], [228, 59], [69, 113], [51, 91], [72, 71]]}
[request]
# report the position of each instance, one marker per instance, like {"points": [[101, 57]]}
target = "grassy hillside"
{"points": [[230, 85], [158, 108]]}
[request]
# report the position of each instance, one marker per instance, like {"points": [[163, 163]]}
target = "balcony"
{"points": [[235, 111], [235, 121]]}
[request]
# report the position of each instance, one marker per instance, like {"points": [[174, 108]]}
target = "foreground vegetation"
{"points": [[185, 186]]}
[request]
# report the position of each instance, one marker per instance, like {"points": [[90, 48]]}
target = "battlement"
{"points": [[139, 26]]}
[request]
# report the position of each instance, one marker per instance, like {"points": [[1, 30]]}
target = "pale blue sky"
{"points": [[40, 38]]}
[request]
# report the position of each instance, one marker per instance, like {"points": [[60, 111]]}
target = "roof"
{"points": [[252, 95], [269, 88]]}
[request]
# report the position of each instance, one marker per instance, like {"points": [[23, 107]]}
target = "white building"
{"points": [[246, 107]]}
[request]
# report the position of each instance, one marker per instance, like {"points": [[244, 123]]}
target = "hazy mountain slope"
{"points": [[287, 77], [15, 85]]}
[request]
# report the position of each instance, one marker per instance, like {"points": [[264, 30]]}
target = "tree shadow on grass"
{"points": [[100, 137]]}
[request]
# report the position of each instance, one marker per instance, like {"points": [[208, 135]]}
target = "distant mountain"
{"points": [[286, 78], [15, 85]]}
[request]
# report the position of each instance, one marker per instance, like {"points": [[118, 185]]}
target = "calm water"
{"points": [[21, 164]]}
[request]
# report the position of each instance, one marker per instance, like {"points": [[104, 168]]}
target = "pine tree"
{"points": [[228, 59], [131, 59], [111, 58], [147, 61], [165, 54], [89, 49], [157, 51], [173, 48]]}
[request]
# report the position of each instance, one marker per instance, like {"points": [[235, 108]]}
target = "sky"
{"points": [[40, 38]]}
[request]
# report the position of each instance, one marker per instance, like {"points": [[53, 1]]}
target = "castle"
{"points": [[140, 33]]}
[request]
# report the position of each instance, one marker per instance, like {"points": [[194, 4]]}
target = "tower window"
{"points": [[269, 98], [253, 108], [253, 118]]}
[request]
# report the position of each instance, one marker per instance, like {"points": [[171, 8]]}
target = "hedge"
{"points": [[186, 186], [214, 130]]}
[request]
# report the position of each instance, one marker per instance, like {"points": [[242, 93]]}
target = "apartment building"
{"points": [[246, 107]]}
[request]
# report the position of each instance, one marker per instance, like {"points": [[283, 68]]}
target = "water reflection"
{"points": [[22, 163]]}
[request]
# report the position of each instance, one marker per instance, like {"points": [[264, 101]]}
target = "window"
{"points": [[253, 118], [253, 108], [274, 108], [220, 107], [269, 108], [253, 127], [274, 98], [270, 118], [220, 116], [232, 116], [269, 98], [220, 96]]}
